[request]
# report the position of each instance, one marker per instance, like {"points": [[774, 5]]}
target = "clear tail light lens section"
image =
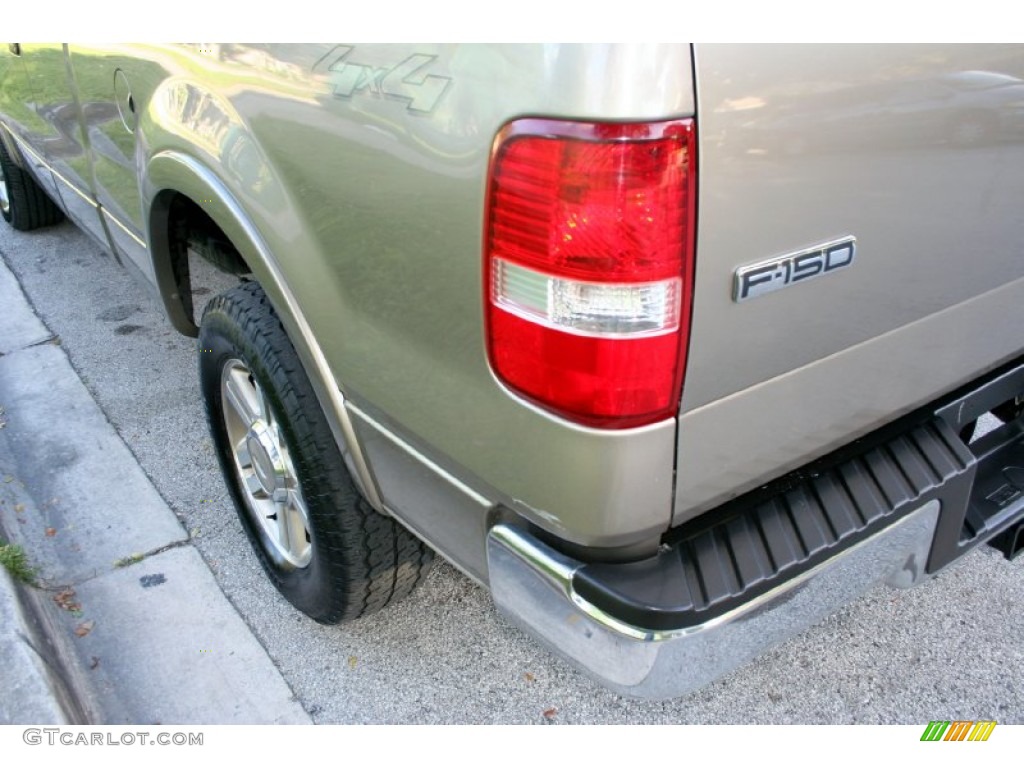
{"points": [[589, 266]]}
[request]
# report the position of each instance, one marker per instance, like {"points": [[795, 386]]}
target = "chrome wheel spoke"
{"points": [[242, 452], [300, 518], [291, 526], [243, 397], [255, 488], [265, 413], [284, 532]]}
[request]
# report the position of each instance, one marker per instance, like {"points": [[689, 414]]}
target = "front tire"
{"points": [[23, 203], [326, 550]]}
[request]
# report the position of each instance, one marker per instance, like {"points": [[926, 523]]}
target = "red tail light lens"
{"points": [[589, 266]]}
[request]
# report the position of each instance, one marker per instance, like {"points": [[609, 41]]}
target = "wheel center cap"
{"points": [[267, 461]]}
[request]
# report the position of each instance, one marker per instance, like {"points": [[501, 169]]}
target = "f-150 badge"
{"points": [[772, 274]]}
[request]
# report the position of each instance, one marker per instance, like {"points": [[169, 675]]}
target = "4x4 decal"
{"points": [[409, 80]]}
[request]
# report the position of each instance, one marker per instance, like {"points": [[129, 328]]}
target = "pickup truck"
{"points": [[677, 349]]}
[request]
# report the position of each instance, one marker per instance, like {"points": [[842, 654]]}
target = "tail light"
{"points": [[589, 266]]}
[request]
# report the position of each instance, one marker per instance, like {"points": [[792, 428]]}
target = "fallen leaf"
{"points": [[352, 660], [51, 531], [8, 479], [95, 662], [19, 507], [84, 628], [529, 678], [66, 600], [549, 713]]}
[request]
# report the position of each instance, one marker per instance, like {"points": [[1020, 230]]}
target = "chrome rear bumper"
{"points": [[533, 586]]}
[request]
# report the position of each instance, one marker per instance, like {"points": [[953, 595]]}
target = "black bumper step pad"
{"points": [[753, 547]]}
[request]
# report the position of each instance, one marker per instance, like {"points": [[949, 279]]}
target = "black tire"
{"points": [[359, 560], [28, 206]]}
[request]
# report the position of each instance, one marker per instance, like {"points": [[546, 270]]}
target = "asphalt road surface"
{"points": [[950, 649]]}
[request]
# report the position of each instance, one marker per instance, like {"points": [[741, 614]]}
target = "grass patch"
{"points": [[14, 559], [124, 562]]}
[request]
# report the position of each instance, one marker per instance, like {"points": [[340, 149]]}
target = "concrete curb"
{"points": [[33, 677], [129, 625]]}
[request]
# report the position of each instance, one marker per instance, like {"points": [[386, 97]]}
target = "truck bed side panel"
{"points": [[915, 151]]}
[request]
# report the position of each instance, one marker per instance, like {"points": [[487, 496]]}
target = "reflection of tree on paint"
{"points": [[964, 108], [212, 123]]}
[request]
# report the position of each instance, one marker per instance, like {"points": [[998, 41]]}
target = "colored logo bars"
{"points": [[958, 730]]}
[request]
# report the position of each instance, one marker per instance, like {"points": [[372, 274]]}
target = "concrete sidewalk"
{"points": [[126, 623]]}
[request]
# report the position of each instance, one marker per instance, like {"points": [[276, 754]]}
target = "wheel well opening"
{"points": [[195, 260], [194, 229]]}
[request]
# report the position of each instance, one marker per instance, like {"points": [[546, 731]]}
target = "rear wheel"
{"points": [[327, 551], [23, 203]]}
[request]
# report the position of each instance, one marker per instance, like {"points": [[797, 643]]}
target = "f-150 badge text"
{"points": [[771, 275]]}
